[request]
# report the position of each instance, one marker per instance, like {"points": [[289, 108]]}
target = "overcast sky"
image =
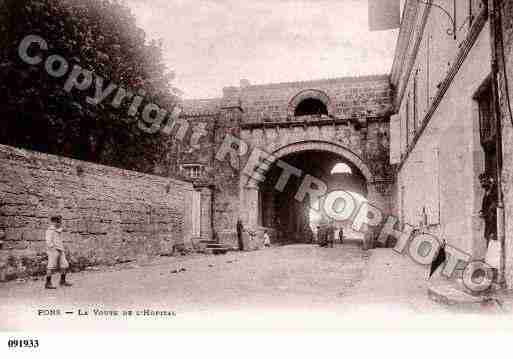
{"points": [[211, 44]]}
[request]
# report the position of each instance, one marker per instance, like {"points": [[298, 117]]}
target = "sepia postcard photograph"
{"points": [[282, 165]]}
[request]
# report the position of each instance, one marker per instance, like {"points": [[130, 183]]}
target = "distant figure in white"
{"points": [[267, 239]]}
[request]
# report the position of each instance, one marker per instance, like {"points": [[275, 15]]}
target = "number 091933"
{"points": [[23, 343]]}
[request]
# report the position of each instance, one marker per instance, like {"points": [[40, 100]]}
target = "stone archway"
{"points": [[252, 194], [326, 147]]}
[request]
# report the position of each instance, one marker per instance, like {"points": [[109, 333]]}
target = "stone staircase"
{"points": [[212, 247]]}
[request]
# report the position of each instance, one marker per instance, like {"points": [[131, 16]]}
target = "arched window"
{"points": [[311, 106], [341, 168]]}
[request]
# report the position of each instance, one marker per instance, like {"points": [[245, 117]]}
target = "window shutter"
{"points": [[395, 139]]}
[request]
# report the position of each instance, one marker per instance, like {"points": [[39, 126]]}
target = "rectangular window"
{"points": [[464, 17], [192, 171], [411, 125], [407, 113], [476, 6], [415, 105], [470, 14], [428, 100], [402, 204], [401, 134], [454, 15]]}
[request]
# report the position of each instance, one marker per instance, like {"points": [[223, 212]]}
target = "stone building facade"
{"points": [[346, 117], [436, 144], [443, 130]]}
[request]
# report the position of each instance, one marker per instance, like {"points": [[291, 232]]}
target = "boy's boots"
{"points": [[63, 281], [48, 284]]}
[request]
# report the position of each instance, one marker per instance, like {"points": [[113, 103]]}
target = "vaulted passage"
{"points": [[293, 221]]}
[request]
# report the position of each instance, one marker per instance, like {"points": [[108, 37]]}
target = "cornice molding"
{"points": [[356, 121], [319, 82]]}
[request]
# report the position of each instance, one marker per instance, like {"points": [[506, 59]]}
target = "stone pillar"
{"points": [[250, 206], [187, 224], [227, 177], [267, 208]]}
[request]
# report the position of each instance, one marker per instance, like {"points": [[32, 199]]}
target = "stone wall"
{"points": [[272, 139], [226, 179], [346, 98], [110, 215]]}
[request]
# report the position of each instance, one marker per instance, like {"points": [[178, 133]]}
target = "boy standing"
{"points": [[55, 250]]}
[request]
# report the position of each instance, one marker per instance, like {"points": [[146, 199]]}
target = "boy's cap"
{"points": [[56, 218]]}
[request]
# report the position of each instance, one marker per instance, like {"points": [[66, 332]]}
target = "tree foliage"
{"points": [[98, 35]]}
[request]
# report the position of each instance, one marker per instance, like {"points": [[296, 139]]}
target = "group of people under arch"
{"points": [[326, 235]]}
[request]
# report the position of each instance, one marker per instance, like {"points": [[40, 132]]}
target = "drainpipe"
{"points": [[213, 186], [495, 33]]}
